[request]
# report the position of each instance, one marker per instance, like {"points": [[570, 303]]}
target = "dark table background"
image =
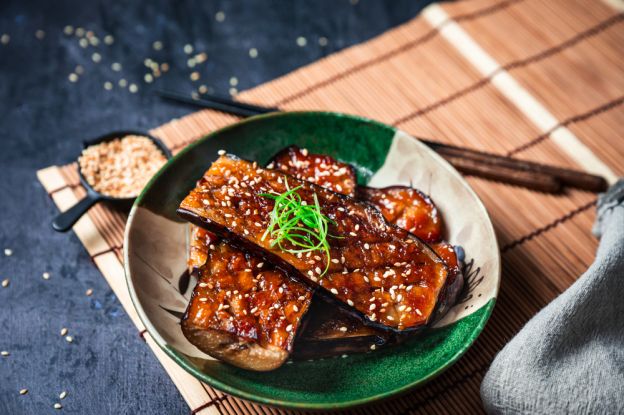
{"points": [[43, 119]]}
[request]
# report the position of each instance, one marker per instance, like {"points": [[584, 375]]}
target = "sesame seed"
{"points": [[289, 328], [195, 76], [334, 291], [221, 152], [220, 16], [301, 41], [5, 282], [108, 85], [72, 77], [96, 57], [64, 331], [352, 233], [350, 302], [188, 48], [57, 406], [89, 292], [133, 88], [322, 41], [203, 299], [253, 53], [4, 353], [122, 83], [418, 312], [318, 270], [80, 32], [63, 395], [157, 45], [40, 34], [5, 39], [390, 318], [372, 307], [109, 40], [373, 347], [69, 339], [68, 30], [233, 81], [148, 78], [366, 246], [295, 309], [83, 43], [23, 391], [260, 265], [344, 356]]}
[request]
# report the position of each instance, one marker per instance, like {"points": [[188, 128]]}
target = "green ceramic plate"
{"points": [[156, 251]]}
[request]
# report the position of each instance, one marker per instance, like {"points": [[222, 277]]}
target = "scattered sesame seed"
{"points": [[58, 406], [260, 265], [233, 81], [133, 88], [390, 318], [73, 77], [164, 67], [373, 347], [372, 307], [203, 299], [79, 69], [233, 91], [108, 85], [188, 48], [68, 30], [23, 391], [350, 303], [96, 57], [116, 66], [109, 39], [295, 309], [8, 252], [343, 329], [195, 76], [148, 78], [322, 41], [5, 39], [4, 353], [253, 53], [69, 339], [366, 246], [334, 291], [157, 45], [220, 16], [40, 34], [5, 282], [302, 41], [63, 395], [122, 83], [89, 292], [289, 328], [221, 152], [94, 41], [83, 43], [64, 331], [344, 356]]}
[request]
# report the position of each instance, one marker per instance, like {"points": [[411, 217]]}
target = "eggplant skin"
{"points": [[234, 349]]}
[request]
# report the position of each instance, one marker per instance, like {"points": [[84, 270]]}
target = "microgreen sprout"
{"points": [[304, 227]]}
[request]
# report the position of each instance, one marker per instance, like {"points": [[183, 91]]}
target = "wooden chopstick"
{"points": [[490, 166]]}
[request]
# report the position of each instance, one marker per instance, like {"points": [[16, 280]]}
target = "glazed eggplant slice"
{"points": [[384, 273], [408, 208], [454, 281], [244, 312], [319, 169]]}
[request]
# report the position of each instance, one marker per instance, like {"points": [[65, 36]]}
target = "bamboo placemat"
{"points": [[539, 80]]}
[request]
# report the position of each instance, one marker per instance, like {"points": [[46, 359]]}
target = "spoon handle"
{"points": [[65, 220]]}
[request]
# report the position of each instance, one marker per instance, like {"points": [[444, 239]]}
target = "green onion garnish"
{"points": [[303, 226]]}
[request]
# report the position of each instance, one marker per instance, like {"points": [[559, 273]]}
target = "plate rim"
{"points": [[289, 404]]}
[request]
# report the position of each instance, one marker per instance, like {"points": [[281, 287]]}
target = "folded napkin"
{"points": [[569, 358]]}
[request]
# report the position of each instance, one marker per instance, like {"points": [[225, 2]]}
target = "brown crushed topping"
{"points": [[121, 167]]}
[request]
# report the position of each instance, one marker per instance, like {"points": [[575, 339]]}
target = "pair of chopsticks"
{"points": [[536, 176]]}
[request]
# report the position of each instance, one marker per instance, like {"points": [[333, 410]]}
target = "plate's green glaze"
{"points": [[324, 384]]}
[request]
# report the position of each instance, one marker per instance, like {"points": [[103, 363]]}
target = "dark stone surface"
{"points": [[44, 117]]}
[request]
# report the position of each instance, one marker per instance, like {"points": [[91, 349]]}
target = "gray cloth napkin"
{"points": [[569, 358]]}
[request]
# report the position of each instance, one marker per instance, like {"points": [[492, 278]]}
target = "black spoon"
{"points": [[65, 220]]}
